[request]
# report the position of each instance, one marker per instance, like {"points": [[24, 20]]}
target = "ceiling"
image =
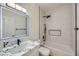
{"points": [[49, 6], [43, 6]]}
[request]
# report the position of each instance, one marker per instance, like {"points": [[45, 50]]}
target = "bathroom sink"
{"points": [[14, 50], [17, 49], [5, 54]]}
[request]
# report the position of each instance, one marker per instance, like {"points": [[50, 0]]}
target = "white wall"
{"points": [[61, 18], [33, 11], [73, 26]]}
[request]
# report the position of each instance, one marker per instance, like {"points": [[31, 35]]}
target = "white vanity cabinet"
{"points": [[32, 52]]}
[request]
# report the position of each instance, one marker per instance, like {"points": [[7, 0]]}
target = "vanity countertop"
{"points": [[15, 50]]}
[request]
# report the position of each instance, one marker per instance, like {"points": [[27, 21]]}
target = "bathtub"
{"points": [[60, 50]]}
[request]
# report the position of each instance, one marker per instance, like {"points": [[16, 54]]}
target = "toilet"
{"points": [[43, 51]]}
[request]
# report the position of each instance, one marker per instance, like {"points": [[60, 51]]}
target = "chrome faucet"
{"points": [[18, 42], [4, 44]]}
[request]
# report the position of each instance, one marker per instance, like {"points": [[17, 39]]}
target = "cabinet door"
{"points": [[35, 51]]}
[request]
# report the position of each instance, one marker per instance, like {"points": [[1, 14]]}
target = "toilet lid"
{"points": [[44, 51]]}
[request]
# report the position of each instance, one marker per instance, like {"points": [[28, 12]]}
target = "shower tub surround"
{"points": [[26, 48]]}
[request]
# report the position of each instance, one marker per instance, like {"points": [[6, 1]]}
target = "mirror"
{"points": [[14, 23]]}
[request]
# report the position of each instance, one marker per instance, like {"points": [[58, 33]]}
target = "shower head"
{"points": [[48, 16]]}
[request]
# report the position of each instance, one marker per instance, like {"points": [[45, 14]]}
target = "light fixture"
{"points": [[11, 5], [16, 7], [24, 10]]}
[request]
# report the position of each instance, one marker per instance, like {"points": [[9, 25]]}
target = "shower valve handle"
{"points": [[76, 28]]}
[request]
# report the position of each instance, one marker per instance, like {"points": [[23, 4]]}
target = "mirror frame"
{"points": [[18, 12]]}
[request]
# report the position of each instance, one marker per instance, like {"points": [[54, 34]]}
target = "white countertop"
{"points": [[22, 49]]}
